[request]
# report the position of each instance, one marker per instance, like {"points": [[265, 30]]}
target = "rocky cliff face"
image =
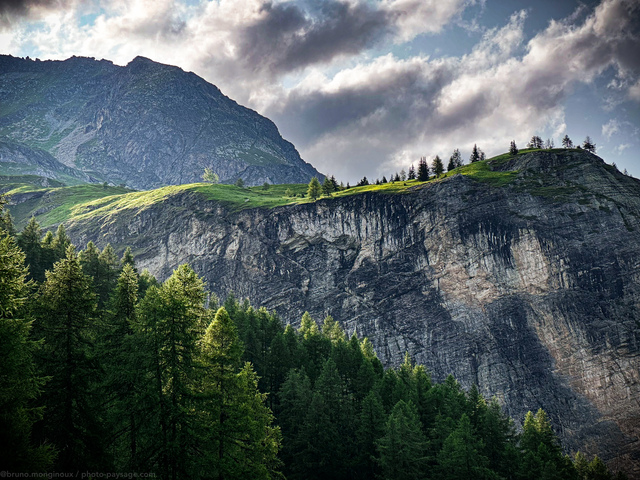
{"points": [[530, 289], [144, 125]]}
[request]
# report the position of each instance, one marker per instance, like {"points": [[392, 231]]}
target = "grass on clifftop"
{"points": [[54, 205]]}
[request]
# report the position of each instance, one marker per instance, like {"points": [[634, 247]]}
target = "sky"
{"points": [[367, 87]]}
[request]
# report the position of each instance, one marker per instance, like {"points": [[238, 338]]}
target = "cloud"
{"points": [[610, 128], [312, 67], [383, 112], [622, 147], [11, 11]]}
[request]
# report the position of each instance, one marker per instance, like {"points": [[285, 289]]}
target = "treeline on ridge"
{"points": [[104, 369]]}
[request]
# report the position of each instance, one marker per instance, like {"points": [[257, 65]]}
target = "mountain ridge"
{"points": [[145, 124]]}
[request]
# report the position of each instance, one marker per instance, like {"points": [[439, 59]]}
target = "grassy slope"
{"points": [[88, 201]]}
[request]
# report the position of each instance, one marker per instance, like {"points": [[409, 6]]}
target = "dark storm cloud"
{"points": [[400, 97], [11, 10], [289, 36]]}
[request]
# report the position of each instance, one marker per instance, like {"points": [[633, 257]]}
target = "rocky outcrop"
{"points": [[144, 125], [528, 287]]}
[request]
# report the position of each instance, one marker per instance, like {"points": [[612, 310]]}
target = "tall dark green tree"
{"points": [[124, 379], [423, 170], [438, 167], [20, 384], [66, 316], [475, 154], [29, 241], [327, 186], [402, 449], [566, 142], [513, 149], [174, 319], [461, 457], [236, 427], [329, 428], [456, 159]]}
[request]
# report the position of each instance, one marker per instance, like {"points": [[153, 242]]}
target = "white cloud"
{"points": [[610, 128], [622, 147]]}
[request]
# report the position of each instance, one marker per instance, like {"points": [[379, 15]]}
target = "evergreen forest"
{"points": [[104, 369]]}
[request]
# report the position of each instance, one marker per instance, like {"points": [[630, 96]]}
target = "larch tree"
{"points": [[236, 429], [402, 449], [20, 385], [66, 317], [314, 190]]}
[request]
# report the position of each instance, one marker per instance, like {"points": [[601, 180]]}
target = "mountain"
{"points": [[520, 274], [143, 125]]}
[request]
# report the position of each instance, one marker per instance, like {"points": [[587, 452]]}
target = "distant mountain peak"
{"points": [[132, 125]]}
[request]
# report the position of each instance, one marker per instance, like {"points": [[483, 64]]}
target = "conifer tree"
{"points": [[124, 378], [19, 383], [295, 399], [410, 176], [566, 142], [588, 145], [29, 242], [127, 259], [328, 429], [423, 170], [61, 242], [438, 167], [315, 189], [327, 186], [66, 317], [371, 428], [402, 449], [238, 436], [172, 319], [450, 166], [513, 150], [475, 154], [535, 142], [461, 458]]}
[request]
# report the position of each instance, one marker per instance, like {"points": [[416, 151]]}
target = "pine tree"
{"points": [[29, 243], [327, 186], [66, 317], [127, 259], [328, 430], [457, 158], [371, 428], [124, 377], [61, 242], [438, 167], [450, 166], [315, 189], [588, 145], [475, 154], [236, 429], [411, 175], [535, 142], [402, 449], [566, 142], [423, 170], [19, 383], [460, 457], [334, 182], [172, 319], [513, 150]]}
